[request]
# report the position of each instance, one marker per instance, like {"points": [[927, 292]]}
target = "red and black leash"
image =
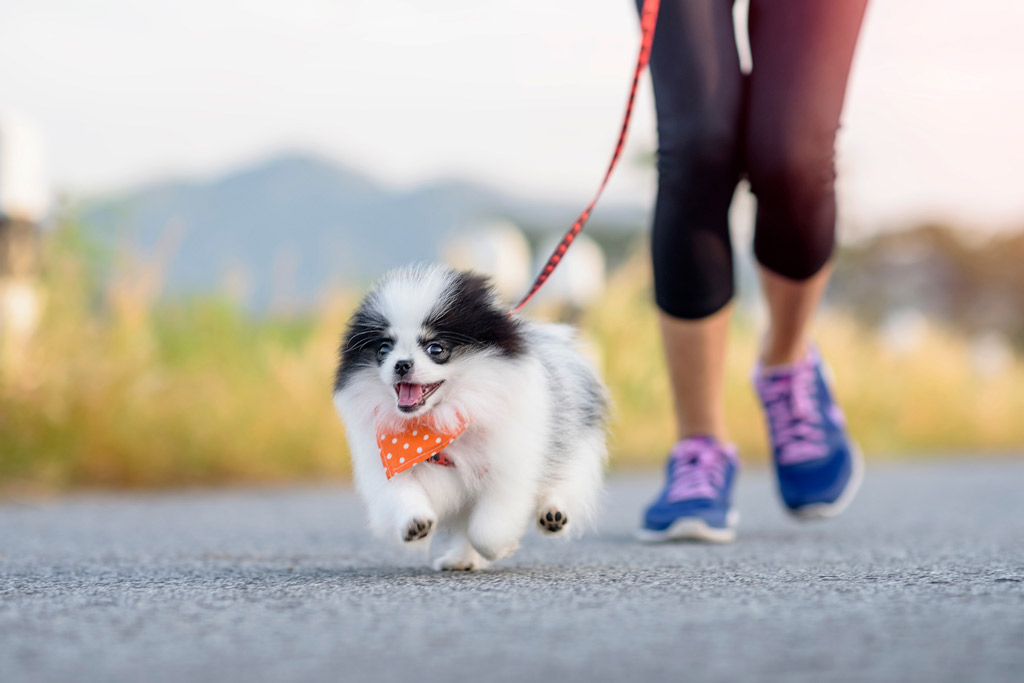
{"points": [[648, 20]]}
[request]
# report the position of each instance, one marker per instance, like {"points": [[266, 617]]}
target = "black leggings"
{"points": [[776, 125]]}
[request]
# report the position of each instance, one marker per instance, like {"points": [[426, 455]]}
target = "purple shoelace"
{"points": [[790, 401], [699, 467]]}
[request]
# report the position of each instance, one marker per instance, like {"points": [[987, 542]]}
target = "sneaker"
{"points": [[696, 503], [819, 468]]}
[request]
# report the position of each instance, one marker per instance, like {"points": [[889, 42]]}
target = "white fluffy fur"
{"points": [[525, 452]]}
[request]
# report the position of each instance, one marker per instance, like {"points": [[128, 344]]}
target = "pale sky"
{"points": [[522, 95]]}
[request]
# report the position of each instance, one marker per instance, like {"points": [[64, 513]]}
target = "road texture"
{"points": [[921, 580]]}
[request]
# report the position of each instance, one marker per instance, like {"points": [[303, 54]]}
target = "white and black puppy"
{"points": [[433, 348]]}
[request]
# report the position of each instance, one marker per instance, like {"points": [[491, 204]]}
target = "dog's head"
{"points": [[420, 336]]}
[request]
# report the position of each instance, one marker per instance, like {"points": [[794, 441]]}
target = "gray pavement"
{"points": [[921, 580]]}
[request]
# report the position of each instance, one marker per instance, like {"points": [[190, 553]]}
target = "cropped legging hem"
{"points": [[776, 126], [694, 310]]}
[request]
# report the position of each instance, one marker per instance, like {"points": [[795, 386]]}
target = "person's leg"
{"points": [[697, 83], [698, 91], [802, 51], [695, 354], [791, 305]]}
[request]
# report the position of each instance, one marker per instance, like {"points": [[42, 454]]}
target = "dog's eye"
{"points": [[383, 350], [435, 350]]}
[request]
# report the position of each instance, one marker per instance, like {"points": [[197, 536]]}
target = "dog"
{"points": [[431, 358]]}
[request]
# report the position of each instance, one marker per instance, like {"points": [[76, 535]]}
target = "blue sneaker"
{"points": [[819, 469], [696, 503]]}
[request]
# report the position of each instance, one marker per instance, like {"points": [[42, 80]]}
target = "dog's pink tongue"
{"points": [[409, 394]]}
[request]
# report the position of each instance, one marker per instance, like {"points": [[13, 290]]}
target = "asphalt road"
{"points": [[921, 580]]}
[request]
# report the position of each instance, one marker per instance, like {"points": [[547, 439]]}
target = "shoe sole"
{"points": [[826, 510], [692, 529]]}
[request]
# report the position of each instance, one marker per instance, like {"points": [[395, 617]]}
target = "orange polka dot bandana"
{"points": [[416, 442]]}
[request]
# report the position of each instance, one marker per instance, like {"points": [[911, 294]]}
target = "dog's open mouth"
{"points": [[412, 396]]}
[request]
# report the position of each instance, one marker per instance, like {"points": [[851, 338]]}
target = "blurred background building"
{"points": [[24, 202]]}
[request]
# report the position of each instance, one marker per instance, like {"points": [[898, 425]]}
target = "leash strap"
{"points": [[648, 20]]}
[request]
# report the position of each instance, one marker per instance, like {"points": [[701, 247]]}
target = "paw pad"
{"points": [[553, 520], [458, 567], [418, 529]]}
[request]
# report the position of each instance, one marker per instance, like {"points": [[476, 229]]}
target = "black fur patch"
{"points": [[366, 330], [472, 317]]}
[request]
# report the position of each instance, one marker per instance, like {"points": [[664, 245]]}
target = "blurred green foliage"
{"points": [[120, 389]]}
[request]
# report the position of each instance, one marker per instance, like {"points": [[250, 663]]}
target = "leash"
{"points": [[421, 442], [648, 20]]}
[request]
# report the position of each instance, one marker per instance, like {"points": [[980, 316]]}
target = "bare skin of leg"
{"points": [[695, 349], [791, 304], [695, 352]]}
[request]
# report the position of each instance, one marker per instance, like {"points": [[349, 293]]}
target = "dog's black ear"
{"points": [[473, 316], [366, 330]]}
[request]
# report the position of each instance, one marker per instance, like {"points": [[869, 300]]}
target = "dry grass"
{"points": [[117, 390], [928, 399]]}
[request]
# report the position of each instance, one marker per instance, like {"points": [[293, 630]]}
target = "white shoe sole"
{"points": [[692, 529], [826, 510]]}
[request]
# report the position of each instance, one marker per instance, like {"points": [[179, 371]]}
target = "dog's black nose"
{"points": [[403, 367]]}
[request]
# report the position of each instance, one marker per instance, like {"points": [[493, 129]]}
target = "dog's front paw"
{"points": [[552, 520], [416, 529], [460, 563]]}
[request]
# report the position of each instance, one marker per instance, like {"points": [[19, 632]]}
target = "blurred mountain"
{"points": [[294, 225]]}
